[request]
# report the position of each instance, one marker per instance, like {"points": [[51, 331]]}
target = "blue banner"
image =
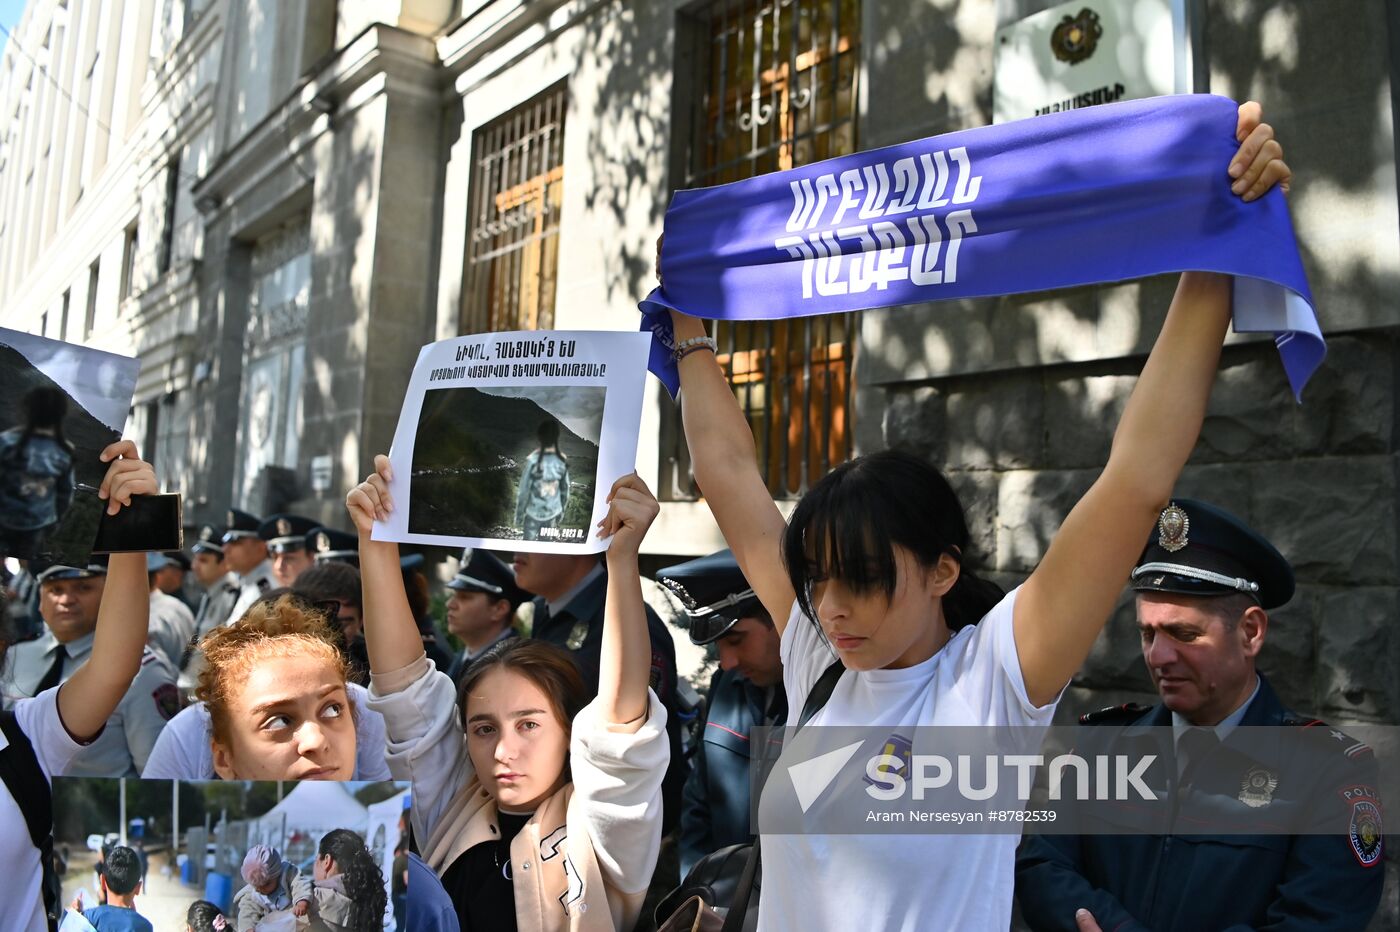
{"points": [[1101, 194]]}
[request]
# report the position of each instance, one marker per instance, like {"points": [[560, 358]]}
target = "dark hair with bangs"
{"points": [[847, 525]]}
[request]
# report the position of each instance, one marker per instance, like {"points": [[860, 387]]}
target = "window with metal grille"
{"points": [[513, 237], [775, 87]]}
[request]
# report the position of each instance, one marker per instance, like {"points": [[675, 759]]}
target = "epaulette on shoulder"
{"points": [[1114, 714], [1344, 743]]}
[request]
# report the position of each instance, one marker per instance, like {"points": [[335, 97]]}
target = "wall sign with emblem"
{"points": [[1081, 54]]}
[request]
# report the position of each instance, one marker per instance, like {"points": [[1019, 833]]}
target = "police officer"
{"points": [[172, 623], [69, 598], [1205, 585], [171, 578], [481, 607], [747, 690], [327, 545], [286, 546], [246, 554], [220, 583]]}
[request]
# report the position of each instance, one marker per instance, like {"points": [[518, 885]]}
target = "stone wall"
{"points": [[1018, 397]]}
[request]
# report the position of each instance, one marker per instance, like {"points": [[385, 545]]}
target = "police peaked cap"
{"points": [[210, 540], [1198, 549], [332, 546], [714, 592], [241, 525], [96, 566], [285, 532], [482, 571]]}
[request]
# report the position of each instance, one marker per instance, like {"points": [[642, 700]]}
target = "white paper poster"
{"points": [[511, 441]]}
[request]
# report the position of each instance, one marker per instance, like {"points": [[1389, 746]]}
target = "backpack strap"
{"points": [[25, 779], [816, 700], [821, 692]]}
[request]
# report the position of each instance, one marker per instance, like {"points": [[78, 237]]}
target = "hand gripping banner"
{"points": [[1101, 194]]}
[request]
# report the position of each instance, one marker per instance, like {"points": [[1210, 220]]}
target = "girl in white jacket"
{"points": [[537, 814]]}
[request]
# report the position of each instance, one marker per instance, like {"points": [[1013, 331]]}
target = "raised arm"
{"points": [[624, 666], [391, 635], [91, 694], [1066, 601], [726, 468]]}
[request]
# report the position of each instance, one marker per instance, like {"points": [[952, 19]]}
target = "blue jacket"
{"points": [[1184, 882], [715, 806], [36, 482], [429, 908]]}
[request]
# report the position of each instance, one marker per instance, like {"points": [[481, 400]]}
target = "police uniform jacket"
{"points": [[250, 589], [217, 604], [715, 812], [214, 610], [578, 628], [171, 628], [460, 660], [1161, 878], [126, 741]]}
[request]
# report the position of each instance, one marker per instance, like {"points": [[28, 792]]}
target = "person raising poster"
{"points": [[529, 804], [870, 571]]}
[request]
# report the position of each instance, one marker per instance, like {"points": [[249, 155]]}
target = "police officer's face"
{"points": [[289, 564], [244, 554], [169, 579], [516, 741], [474, 616], [69, 606], [551, 574], [290, 720], [872, 632], [1202, 665], [751, 648], [208, 568]]}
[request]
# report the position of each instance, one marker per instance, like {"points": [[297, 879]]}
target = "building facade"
{"points": [[276, 203]]}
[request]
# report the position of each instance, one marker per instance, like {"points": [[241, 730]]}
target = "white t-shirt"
{"points": [[182, 751], [909, 881], [22, 909]]}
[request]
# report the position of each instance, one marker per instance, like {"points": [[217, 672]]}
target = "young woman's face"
{"points": [[289, 720], [516, 742], [871, 632], [325, 867]]}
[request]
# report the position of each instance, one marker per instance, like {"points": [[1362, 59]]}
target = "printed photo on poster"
{"points": [[512, 440], [507, 463], [60, 405]]}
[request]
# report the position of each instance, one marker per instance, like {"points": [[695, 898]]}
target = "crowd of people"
{"points": [[549, 767], [343, 892]]}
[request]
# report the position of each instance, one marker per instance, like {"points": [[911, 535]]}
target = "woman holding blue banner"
{"points": [[869, 572]]}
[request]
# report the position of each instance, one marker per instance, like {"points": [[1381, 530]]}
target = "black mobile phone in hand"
{"points": [[149, 523]]}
